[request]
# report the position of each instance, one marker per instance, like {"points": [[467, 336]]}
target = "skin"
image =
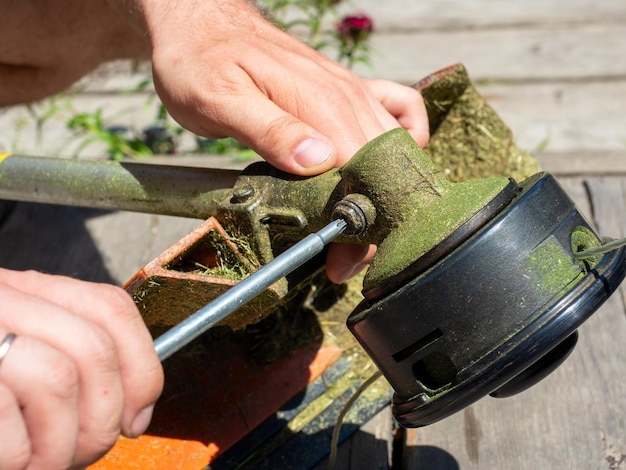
{"points": [[90, 374], [69, 389]]}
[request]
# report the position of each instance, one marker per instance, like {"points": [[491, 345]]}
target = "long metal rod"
{"points": [[139, 187], [209, 315]]}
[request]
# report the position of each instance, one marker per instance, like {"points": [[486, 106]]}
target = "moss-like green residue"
{"points": [[584, 239], [551, 268], [423, 231], [198, 275], [468, 138], [417, 207], [166, 301]]}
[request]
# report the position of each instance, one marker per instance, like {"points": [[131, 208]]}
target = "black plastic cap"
{"points": [[480, 321]]}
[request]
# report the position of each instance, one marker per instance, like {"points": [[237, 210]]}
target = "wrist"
{"points": [[161, 20]]}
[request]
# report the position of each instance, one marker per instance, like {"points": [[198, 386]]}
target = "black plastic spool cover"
{"points": [[472, 324]]}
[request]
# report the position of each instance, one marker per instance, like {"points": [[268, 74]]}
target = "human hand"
{"points": [[223, 70], [81, 369]]}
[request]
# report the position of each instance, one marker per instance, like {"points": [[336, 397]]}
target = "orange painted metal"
{"points": [[212, 403], [167, 290], [178, 282]]}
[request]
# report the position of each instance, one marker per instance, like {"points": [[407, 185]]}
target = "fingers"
{"points": [[406, 105], [303, 125], [89, 354], [299, 110], [93, 331], [306, 125], [345, 260], [297, 143], [283, 140], [40, 390], [247, 79], [314, 124], [15, 448], [113, 311]]}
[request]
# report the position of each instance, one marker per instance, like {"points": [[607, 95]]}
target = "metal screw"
{"points": [[242, 194]]}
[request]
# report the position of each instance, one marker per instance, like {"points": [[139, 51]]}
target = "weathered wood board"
{"points": [[406, 15]]}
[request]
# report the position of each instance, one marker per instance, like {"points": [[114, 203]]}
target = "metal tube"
{"points": [[209, 315], [140, 187]]}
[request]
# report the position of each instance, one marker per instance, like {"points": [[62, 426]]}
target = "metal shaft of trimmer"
{"points": [[214, 312]]}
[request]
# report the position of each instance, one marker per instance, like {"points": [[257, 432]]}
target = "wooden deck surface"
{"points": [[556, 72]]}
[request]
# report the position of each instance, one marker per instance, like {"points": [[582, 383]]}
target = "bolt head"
{"points": [[242, 194]]}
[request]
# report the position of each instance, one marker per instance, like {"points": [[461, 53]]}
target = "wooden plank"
{"points": [[415, 38], [608, 199], [370, 447], [579, 127], [539, 52], [457, 15], [584, 163], [575, 163], [449, 17], [608, 205], [88, 244], [432, 15], [561, 116]]}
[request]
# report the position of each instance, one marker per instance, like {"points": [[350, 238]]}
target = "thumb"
{"points": [[283, 140]]}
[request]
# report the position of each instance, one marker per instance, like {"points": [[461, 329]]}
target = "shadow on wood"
{"points": [[52, 239], [429, 458]]}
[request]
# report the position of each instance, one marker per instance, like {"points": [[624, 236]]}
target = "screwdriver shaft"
{"points": [[214, 312]]}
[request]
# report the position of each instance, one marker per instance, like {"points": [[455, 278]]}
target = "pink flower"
{"points": [[356, 28]]}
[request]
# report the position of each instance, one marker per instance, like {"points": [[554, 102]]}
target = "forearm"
{"points": [[46, 45], [150, 16], [189, 24]]}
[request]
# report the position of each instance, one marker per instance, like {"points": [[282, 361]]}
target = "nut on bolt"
{"points": [[357, 211]]}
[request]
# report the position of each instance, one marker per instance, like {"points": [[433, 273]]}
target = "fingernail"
{"points": [[142, 421], [312, 152]]}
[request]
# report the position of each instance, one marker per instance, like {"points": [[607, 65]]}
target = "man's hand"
{"points": [[81, 370], [223, 70]]}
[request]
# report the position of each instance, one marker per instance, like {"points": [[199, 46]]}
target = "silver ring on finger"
{"points": [[6, 345]]}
